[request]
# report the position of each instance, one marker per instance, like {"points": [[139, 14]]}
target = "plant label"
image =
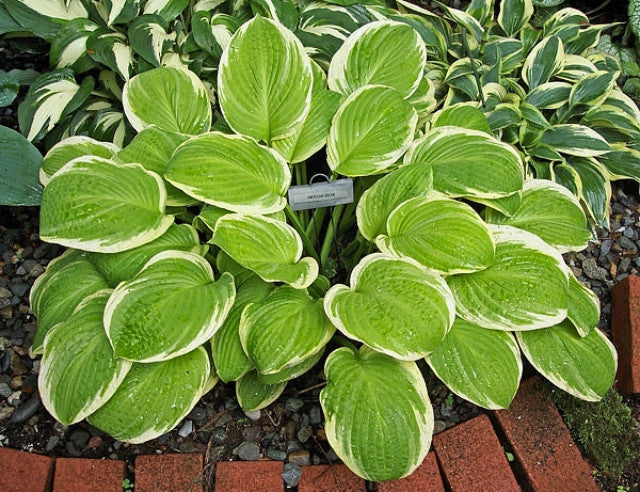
{"points": [[323, 194]]}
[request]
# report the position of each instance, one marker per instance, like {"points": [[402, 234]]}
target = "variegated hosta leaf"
{"points": [[423, 99], [593, 89], [394, 306], [506, 205], [149, 38], [524, 289], [379, 419], [441, 234], [71, 148], [95, 204], [167, 9], [207, 218], [370, 131], [595, 188], [264, 93], [514, 14], [45, 17], [170, 98], [582, 366], [584, 307], [252, 394], [79, 372], [312, 136], [111, 49], [118, 267], [174, 289], [69, 47], [370, 56], [468, 163], [284, 329], [152, 148], [269, 247], [213, 32], [378, 201], [622, 163], [576, 140], [50, 98], [293, 371], [462, 115], [551, 212], [153, 398], [229, 357], [117, 11], [550, 95], [233, 172], [544, 61], [68, 280], [479, 365]]}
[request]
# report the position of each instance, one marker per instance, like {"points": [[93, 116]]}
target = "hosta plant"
{"points": [[187, 264]]}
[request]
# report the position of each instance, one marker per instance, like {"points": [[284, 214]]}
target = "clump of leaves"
{"points": [[604, 430], [187, 264]]}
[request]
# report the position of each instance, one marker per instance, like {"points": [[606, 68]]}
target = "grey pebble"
{"points": [[36, 271], [627, 244], [248, 451], [439, 426], [52, 443], [293, 404], [219, 436], [605, 247], [79, 438], [592, 270], [197, 414], [5, 293], [186, 429], [20, 289], [624, 264], [300, 458], [276, 454], [21, 270], [253, 415], [292, 474], [315, 415], [25, 411], [304, 434], [5, 390]]}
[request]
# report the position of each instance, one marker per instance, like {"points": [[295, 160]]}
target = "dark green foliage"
{"points": [[603, 430]]}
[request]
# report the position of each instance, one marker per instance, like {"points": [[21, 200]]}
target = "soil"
{"points": [[292, 427]]}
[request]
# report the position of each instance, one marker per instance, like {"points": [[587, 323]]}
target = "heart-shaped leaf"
{"points": [[584, 306], [253, 394], [479, 365], [394, 306], [77, 378], [524, 289], [174, 289], [379, 419]]}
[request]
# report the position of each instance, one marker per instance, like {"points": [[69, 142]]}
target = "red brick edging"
{"points": [[625, 330], [467, 457]]}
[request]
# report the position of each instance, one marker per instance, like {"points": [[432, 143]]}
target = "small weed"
{"points": [[448, 401], [127, 485]]}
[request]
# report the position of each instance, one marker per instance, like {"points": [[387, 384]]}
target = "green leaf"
{"points": [[595, 188], [50, 98], [622, 163], [19, 167], [233, 172], [462, 115], [118, 267], [395, 306], [378, 201], [584, 367], [71, 148], [213, 32], [441, 234], [468, 163], [545, 60], [118, 11], [153, 398], [171, 98], [370, 56], [503, 115], [269, 247], [634, 17], [55, 294], [69, 46], [114, 207], [284, 329], [252, 394], [44, 18], [8, 23], [479, 365], [574, 139], [167, 9], [379, 419], [264, 94], [593, 89], [524, 289], [293, 371], [174, 289], [152, 148], [584, 307], [312, 135], [514, 14], [551, 212], [111, 49], [550, 95], [229, 357], [9, 88], [149, 38], [370, 131], [79, 372]]}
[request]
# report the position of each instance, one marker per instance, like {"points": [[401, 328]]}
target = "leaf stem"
{"points": [[295, 222], [330, 234], [345, 342]]}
